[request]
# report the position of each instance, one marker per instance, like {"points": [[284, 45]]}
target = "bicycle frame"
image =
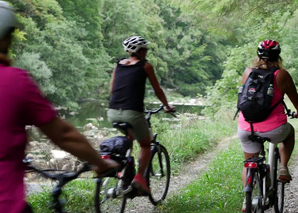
{"points": [[271, 159]]}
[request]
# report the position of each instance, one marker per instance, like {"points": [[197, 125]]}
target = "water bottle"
{"points": [[241, 89], [270, 90]]}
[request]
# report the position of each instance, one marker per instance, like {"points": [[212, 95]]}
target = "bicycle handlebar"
{"points": [[290, 114], [63, 178], [161, 107]]}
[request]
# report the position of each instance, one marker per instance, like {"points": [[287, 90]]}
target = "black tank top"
{"points": [[129, 87]]}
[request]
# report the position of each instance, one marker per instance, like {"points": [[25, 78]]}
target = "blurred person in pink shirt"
{"points": [[21, 104]]}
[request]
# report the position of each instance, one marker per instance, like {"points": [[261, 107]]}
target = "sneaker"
{"points": [[284, 175], [140, 184], [243, 206]]}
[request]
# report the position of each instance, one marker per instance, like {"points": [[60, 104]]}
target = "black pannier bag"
{"points": [[116, 145]]}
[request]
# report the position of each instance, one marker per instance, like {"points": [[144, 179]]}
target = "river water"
{"points": [[95, 111]]}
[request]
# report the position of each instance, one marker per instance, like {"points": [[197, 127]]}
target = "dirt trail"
{"points": [[291, 191]]}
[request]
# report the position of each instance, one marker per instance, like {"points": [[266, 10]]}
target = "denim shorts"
{"points": [[140, 128], [276, 135]]}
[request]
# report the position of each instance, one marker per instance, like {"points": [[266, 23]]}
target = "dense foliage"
{"points": [[71, 46]]}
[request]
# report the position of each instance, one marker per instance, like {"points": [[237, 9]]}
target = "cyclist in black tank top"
{"points": [[129, 86], [127, 90]]}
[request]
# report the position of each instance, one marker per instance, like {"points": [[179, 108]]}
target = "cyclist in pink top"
{"points": [[21, 103], [275, 126]]}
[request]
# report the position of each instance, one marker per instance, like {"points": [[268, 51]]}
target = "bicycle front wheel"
{"points": [[279, 199], [278, 186], [253, 198], [158, 174], [106, 200]]}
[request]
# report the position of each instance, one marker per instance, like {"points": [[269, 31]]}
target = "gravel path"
{"points": [[291, 191]]}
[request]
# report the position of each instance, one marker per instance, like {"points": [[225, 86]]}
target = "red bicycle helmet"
{"points": [[269, 49]]}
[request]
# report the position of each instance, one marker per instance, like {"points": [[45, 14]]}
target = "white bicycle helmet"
{"points": [[8, 19], [134, 43]]}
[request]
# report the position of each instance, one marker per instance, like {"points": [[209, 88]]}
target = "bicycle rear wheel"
{"points": [[278, 186], [254, 198], [106, 200], [158, 174]]}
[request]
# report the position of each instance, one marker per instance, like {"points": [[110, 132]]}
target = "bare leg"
{"points": [[144, 155], [286, 148]]}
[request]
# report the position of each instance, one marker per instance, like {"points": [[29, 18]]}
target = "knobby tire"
{"points": [[158, 174]]}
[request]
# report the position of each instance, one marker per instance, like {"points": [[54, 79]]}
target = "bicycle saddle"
{"points": [[122, 125]]}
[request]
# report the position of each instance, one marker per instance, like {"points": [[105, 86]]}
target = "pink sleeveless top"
{"points": [[21, 104], [275, 119]]}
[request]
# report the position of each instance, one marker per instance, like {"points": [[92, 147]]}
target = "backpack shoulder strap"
{"points": [[238, 110]]}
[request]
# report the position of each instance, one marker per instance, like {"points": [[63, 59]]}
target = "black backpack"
{"points": [[255, 96]]}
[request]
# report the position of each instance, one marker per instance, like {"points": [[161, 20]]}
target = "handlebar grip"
{"points": [[173, 110]]}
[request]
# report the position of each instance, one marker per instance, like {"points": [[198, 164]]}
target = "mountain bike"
{"points": [[263, 190], [112, 192], [62, 177]]}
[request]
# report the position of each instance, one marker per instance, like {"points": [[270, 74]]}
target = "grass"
{"points": [[217, 190], [184, 141], [78, 196]]}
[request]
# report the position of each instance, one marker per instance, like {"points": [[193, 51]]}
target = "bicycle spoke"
{"points": [[106, 199]]}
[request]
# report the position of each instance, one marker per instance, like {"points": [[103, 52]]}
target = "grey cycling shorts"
{"points": [[138, 121], [276, 135]]}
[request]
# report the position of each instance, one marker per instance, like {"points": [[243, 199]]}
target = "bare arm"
{"points": [[245, 75], [285, 83], [158, 91], [69, 139]]}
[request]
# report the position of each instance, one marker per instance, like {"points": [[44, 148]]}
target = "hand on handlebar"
{"points": [[169, 108], [292, 114], [107, 168]]}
